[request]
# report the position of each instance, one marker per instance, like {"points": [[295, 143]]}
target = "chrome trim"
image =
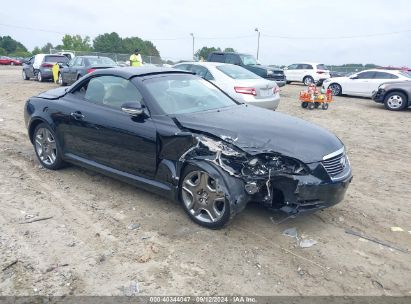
{"points": [[331, 155]]}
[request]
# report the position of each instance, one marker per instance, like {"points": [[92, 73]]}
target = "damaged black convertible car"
{"points": [[178, 135]]}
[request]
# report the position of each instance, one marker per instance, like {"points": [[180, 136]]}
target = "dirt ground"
{"points": [[108, 238]]}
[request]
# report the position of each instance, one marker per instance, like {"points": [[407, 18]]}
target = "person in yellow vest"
{"points": [[135, 59], [55, 69]]}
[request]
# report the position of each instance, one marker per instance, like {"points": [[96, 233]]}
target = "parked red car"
{"points": [[9, 61]]}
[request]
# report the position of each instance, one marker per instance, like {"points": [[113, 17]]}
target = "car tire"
{"points": [[307, 80], [24, 75], [324, 106], [395, 101], [336, 89], [311, 106], [60, 80], [196, 189], [317, 104], [47, 148], [39, 77], [304, 104]]}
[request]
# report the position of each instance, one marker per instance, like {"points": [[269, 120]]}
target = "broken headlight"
{"points": [[263, 165]]}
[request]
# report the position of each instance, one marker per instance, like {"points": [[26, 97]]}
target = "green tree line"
{"points": [[105, 43]]}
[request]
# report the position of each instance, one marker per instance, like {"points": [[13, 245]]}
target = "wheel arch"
{"points": [[402, 91], [306, 76], [337, 84], [33, 124], [232, 186]]}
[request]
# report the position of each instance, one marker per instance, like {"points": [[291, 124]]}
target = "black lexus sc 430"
{"points": [[178, 135]]}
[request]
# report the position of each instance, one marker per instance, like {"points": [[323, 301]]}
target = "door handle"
{"points": [[77, 115]]}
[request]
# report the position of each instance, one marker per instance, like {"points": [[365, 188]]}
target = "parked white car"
{"points": [[307, 73], [365, 82], [241, 84]]}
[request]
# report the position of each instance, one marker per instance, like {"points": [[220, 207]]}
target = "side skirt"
{"points": [[150, 185]]}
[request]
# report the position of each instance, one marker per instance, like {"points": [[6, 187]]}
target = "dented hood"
{"points": [[256, 130]]}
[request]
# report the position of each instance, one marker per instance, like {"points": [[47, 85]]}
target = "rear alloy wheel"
{"points": [[335, 89], [308, 80], [24, 75], [46, 147], [39, 76], [60, 80], [204, 203], [395, 101], [12, 63]]}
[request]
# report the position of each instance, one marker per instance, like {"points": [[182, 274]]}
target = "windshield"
{"points": [[101, 61], [177, 94], [237, 72], [248, 59], [63, 59]]}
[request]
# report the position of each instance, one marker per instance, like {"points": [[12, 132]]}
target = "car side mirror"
{"points": [[133, 108]]}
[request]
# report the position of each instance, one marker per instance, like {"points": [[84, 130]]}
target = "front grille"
{"points": [[335, 165]]}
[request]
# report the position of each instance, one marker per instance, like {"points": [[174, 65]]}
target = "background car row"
{"points": [[239, 83], [4, 60], [239, 75]]}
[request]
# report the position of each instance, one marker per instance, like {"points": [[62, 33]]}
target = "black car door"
{"points": [[93, 127]]}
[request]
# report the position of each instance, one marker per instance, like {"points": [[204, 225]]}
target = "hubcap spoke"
{"points": [[46, 147], [201, 197], [203, 182]]}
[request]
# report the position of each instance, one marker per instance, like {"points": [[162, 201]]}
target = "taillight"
{"points": [[276, 89], [47, 65], [90, 71], [245, 90]]}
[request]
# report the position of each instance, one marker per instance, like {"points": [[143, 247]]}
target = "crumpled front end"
{"points": [[274, 180]]}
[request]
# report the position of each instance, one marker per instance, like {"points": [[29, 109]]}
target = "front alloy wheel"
{"points": [[203, 202], [46, 147], [395, 101], [335, 89]]}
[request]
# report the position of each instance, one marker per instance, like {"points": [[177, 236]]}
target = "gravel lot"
{"points": [[108, 238]]}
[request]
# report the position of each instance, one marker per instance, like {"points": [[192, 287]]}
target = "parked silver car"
{"points": [[239, 83], [40, 66]]}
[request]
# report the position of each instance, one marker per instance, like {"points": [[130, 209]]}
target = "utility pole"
{"points": [[258, 41], [192, 35]]}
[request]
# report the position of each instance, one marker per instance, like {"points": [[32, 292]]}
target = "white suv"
{"points": [[307, 73]]}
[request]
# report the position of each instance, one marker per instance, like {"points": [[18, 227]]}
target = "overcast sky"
{"points": [[233, 21]]}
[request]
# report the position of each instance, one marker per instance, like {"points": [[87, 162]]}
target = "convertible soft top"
{"points": [[130, 72]]}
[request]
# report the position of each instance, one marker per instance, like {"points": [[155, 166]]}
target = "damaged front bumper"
{"points": [[277, 181], [313, 196], [295, 194]]}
